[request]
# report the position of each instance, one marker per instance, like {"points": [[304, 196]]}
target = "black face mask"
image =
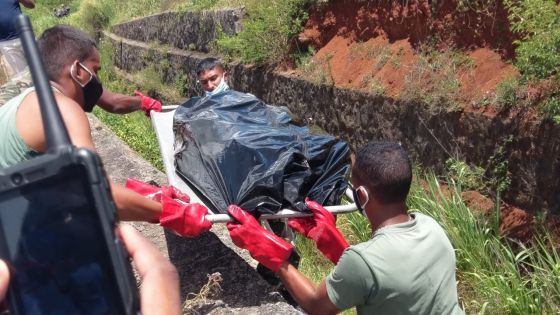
{"points": [[92, 90]]}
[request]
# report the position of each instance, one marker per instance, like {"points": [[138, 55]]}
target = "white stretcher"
{"points": [[163, 125]]}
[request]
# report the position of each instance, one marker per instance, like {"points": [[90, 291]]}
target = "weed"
{"points": [[551, 109], [319, 70], [432, 79], [377, 88], [467, 177], [267, 33], [498, 165], [181, 83], [303, 58], [396, 63], [382, 60], [507, 93]]}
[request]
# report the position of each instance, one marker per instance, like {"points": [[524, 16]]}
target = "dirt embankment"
{"points": [[375, 46], [398, 48]]}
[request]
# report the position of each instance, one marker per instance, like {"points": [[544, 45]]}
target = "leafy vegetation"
{"points": [[268, 32], [538, 22]]}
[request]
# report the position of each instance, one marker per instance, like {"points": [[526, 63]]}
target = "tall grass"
{"points": [[496, 275]]}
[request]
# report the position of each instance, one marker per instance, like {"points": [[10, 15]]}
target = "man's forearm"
{"points": [[132, 206], [311, 298], [118, 103]]}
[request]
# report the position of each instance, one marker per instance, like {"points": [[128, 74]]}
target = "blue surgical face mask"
{"points": [[357, 200], [223, 86]]}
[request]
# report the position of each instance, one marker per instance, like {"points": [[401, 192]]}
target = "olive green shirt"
{"points": [[406, 268], [12, 147]]}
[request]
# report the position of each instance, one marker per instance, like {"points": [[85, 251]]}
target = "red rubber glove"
{"points": [[154, 192], [148, 104], [185, 220], [322, 229], [268, 249]]}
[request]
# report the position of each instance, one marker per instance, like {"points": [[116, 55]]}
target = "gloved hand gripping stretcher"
{"points": [[163, 125]]}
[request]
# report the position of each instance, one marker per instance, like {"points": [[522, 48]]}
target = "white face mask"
{"points": [[357, 200], [223, 86]]}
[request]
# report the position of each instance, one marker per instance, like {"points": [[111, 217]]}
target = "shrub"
{"points": [[551, 109], [538, 22], [507, 92], [267, 33], [468, 177]]}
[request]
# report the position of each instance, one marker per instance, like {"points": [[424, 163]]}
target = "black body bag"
{"points": [[232, 148]]}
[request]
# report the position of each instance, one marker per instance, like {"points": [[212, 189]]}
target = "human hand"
{"points": [[154, 192], [159, 292], [185, 219], [321, 228], [4, 280], [265, 247], [148, 104]]}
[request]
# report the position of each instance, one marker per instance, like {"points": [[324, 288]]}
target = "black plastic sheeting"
{"points": [[232, 148]]}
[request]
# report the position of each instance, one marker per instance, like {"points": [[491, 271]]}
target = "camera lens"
{"points": [[17, 179]]}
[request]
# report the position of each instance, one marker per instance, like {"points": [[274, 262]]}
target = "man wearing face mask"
{"points": [[212, 76], [407, 267], [71, 62]]}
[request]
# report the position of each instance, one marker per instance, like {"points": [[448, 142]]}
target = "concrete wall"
{"points": [[184, 30], [533, 154]]}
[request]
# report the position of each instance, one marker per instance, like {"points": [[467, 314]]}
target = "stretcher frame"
{"points": [[163, 126]]}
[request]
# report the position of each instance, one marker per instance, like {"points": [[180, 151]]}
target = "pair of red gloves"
{"points": [[271, 250], [186, 219], [148, 104]]}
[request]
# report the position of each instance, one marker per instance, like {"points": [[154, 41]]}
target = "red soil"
{"points": [[377, 42]]}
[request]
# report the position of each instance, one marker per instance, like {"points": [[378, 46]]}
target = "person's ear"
{"points": [[226, 76], [78, 73]]}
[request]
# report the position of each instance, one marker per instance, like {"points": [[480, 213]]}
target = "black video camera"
{"points": [[57, 222]]}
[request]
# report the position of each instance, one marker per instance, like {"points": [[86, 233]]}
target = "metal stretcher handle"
{"points": [[286, 213]]}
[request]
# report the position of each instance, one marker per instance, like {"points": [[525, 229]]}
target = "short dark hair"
{"points": [[61, 45], [208, 64], [385, 169]]}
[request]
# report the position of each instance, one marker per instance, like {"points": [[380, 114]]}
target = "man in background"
{"points": [[212, 76]]}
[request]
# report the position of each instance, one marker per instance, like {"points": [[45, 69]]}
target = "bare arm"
{"points": [[30, 4], [118, 103], [131, 205], [313, 299], [159, 292]]}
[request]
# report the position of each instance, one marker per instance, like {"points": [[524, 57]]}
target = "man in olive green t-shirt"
{"points": [[407, 267]]}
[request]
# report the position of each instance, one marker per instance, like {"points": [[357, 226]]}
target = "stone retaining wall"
{"points": [[531, 146], [184, 30]]}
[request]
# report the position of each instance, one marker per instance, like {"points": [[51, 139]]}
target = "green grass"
{"points": [[136, 130], [268, 32], [495, 274]]}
